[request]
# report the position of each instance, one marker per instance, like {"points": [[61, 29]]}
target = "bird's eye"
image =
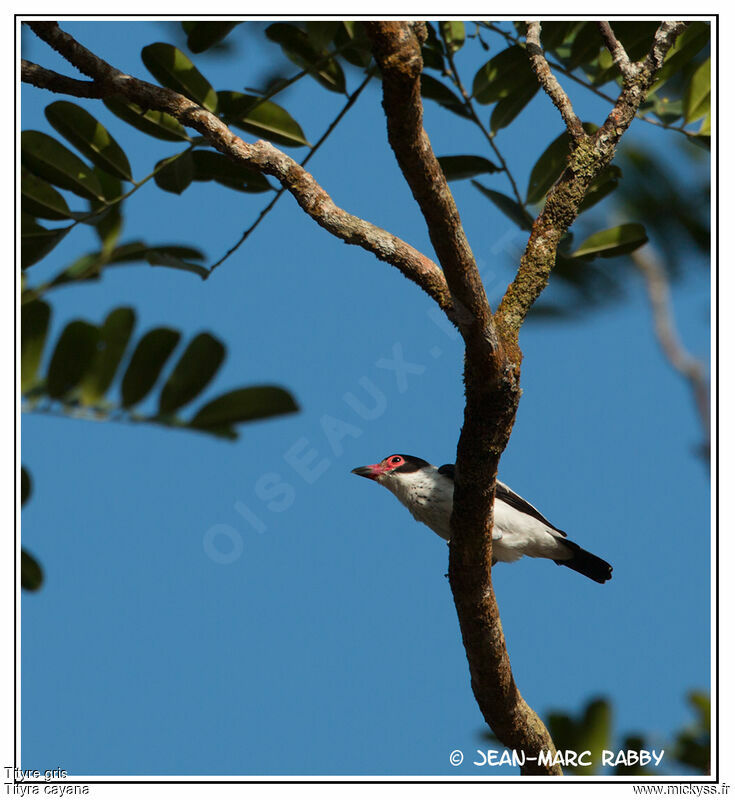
{"points": [[396, 460]]}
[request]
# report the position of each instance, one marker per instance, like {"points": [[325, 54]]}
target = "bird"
{"points": [[519, 529]]}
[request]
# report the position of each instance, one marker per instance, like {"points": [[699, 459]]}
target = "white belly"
{"points": [[515, 534]]}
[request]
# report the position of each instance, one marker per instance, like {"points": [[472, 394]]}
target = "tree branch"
{"points": [[588, 157], [399, 57], [261, 156], [683, 362], [549, 83], [617, 51], [491, 391], [48, 79]]}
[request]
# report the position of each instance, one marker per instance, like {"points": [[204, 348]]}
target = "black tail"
{"points": [[586, 564]]}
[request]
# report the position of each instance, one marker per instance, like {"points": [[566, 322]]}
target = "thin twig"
{"points": [[550, 84], [265, 211], [470, 106]]}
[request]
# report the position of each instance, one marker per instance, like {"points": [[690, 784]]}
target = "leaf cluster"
{"points": [[87, 359]]}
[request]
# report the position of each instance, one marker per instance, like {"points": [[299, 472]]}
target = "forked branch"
{"points": [[587, 158]]}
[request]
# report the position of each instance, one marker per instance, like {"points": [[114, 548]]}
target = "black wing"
{"points": [[507, 495]]}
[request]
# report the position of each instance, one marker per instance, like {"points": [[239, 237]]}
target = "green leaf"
{"points": [[502, 76], [90, 137], [193, 372], [72, 357], [111, 187], [203, 35], [636, 37], [548, 168], [433, 89], [432, 50], [585, 46], [140, 251], [129, 252], [602, 70], [508, 206], [697, 95], [176, 250], [154, 123], [146, 364], [37, 241], [693, 742], [26, 486], [453, 33], [595, 730], [507, 109], [702, 704], [668, 111], [456, 168], [40, 199], [261, 118], [296, 46], [555, 34], [161, 258], [321, 34], [244, 405], [85, 268], [591, 731], [353, 44], [211, 166], [34, 320], [706, 127], [114, 336], [175, 173], [31, 574], [550, 165], [613, 241], [49, 159], [171, 68]]}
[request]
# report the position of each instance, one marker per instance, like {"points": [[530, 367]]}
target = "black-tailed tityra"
{"points": [[519, 529]]}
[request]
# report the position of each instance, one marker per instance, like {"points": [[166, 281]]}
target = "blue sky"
{"points": [[201, 626]]}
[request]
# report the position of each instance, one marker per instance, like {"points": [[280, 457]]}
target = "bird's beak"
{"points": [[372, 471]]}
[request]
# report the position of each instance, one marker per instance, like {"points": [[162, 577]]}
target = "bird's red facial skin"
{"points": [[376, 471], [384, 467]]}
